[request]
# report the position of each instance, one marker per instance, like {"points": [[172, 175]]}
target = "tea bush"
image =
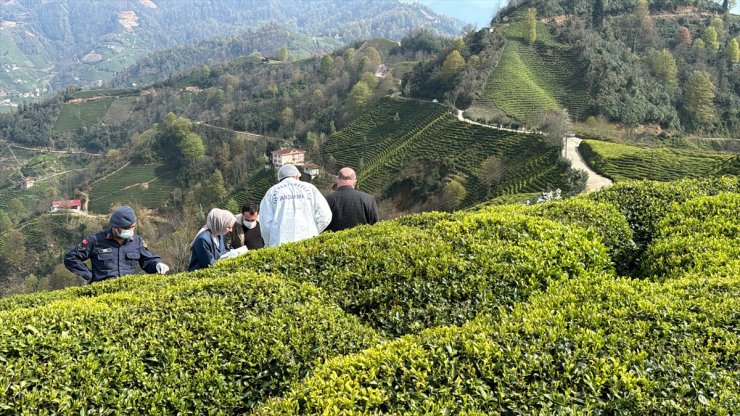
{"points": [[701, 235], [645, 203], [217, 345], [591, 345], [402, 279]]}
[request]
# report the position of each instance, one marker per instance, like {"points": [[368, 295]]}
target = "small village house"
{"points": [[311, 169], [27, 183], [284, 156], [73, 204]]}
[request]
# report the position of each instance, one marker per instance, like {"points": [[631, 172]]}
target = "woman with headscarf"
{"points": [[208, 245]]}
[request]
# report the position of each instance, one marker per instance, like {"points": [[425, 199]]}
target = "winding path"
{"points": [[570, 152]]}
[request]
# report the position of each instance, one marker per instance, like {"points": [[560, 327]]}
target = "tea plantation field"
{"points": [[392, 133], [623, 301], [94, 107], [532, 78], [146, 185], [621, 162]]}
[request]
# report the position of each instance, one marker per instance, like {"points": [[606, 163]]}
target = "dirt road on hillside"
{"points": [[570, 152]]}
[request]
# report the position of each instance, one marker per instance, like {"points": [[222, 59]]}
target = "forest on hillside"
{"points": [[52, 45]]}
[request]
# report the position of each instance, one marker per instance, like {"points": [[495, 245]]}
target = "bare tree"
{"points": [[553, 124]]}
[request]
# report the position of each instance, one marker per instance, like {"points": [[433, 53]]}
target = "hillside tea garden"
{"points": [[622, 301]]}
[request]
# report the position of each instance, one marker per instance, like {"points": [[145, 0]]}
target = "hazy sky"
{"points": [[476, 12], [479, 12]]}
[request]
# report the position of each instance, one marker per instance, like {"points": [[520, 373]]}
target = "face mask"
{"points": [[249, 224], [126, 234]]}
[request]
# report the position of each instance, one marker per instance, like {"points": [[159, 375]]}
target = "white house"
{"points": [[311, 169], [284, 156]]}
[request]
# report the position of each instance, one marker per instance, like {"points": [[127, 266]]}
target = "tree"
{"points": [[453, 64], [373, 55], [554, 124], [698, 99], [664, 67], [711, 37], [732, 51], [282, 54], [286, 117], [5, 222], [647, 34], [530, 24], [358, 97], [491, 171], [453, 195], [13, 249], [597, 16], [683, 37], [192, 148], [327, 65], [699, 44], [216, 186]]}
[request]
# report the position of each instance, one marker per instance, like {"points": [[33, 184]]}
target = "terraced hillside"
{"points": [[532, 78], [253, 188], [621, 162], [146, 185], [394, 132], [89, 108]]}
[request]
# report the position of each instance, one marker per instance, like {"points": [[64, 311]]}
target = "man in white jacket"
{"points": [[292, 210]]}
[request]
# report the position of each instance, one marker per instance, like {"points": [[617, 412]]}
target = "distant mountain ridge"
{"points": [[49, 45]]}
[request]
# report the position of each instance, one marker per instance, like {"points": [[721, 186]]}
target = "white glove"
{"points": [[162, 268]]}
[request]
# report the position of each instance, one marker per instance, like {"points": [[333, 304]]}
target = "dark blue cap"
{"points": [[123, 217]]}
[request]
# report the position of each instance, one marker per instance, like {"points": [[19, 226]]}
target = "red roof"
{"points": [[287, 151], [66, 203]]}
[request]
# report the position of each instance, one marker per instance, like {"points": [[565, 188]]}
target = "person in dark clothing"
{"points": [[113, 252], [246, 231], [350, 207]]}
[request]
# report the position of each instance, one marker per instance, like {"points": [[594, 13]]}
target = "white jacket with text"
{"points": [[292, 211]]}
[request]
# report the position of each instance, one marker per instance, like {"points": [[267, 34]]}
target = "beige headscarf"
{"points": [[217, 221]]}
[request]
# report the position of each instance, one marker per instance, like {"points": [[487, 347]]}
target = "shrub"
{"points": [[701, 235], [217, 345], [401, 279], [594, 345], [604, 219], [645, 203]]}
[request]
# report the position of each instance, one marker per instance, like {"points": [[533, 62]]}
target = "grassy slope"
{"points": [[623, 162]]}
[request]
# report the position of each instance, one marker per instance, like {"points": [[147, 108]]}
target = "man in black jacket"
{"points": [[350, 207]]}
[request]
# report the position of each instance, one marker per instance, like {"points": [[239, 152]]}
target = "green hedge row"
{"points": [[701, 235], [400, 279], [217, 345], [591, 345], [602, 219], [645, 203]]}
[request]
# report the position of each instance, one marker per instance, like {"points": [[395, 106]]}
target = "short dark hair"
{"points": [[250, 208]]}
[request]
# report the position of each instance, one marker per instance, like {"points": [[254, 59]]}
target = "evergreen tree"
{"points": [[664, 67], [732, 52], [597, 16], [711, 37], [216, 186], [698, 99]]}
